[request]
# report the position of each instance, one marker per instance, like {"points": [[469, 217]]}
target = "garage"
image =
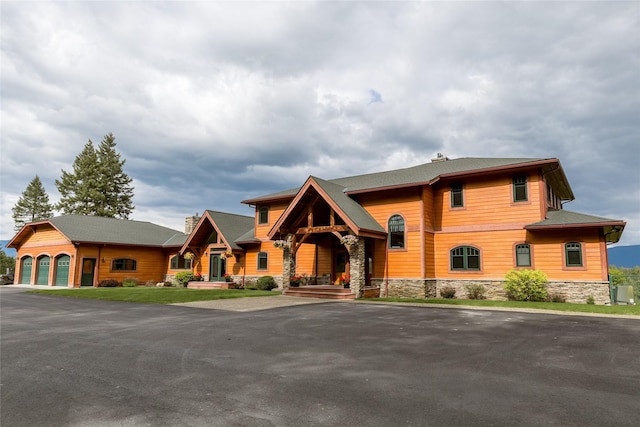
{"points": [[43, 270], [62, 271]]}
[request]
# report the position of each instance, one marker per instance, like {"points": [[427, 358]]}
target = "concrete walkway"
{"points": [[255, 303]]}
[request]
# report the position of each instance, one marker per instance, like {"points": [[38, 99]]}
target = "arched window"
{"points": [[396, 232], [179, 262], [124, 264], [465, 258], [573, 254], [262, 260]]}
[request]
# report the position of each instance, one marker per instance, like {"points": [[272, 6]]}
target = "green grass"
{"points": [[154, 295], [582, 308]]}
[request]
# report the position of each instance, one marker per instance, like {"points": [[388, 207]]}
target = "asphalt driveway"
{"points": [[74, 362]]}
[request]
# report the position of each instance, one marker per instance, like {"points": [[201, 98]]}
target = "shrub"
{"points": [[475, 291], [266, 283], [184, 277], [591, 300], [555, 297], [448, 292], [109, 283], [526, 285], [130, 282]]}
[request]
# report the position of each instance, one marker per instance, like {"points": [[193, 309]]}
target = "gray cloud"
{"points": [[212, 103]]}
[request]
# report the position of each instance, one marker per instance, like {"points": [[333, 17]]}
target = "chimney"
{"points": [[190, 223], [440, 158]]}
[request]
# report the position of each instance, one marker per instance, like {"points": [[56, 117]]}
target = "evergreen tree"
{"points": [[98, 184], [33, 204], [115, 185], [79, 192]]}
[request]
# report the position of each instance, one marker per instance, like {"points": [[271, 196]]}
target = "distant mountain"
{"points": [[7, 251], [625, 256]]}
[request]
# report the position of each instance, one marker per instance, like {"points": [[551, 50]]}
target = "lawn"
{"points": [[155, 295], [582, 308]]}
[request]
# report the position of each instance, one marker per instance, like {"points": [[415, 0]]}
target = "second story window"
{"points": [[520, 189], [263, 215], [457, 200], [396, 232]]}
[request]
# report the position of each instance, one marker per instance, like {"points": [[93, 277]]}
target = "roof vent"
{"points": [[439, 158]]}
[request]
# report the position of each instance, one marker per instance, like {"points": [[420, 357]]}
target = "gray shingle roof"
{"points": [[424, 173], [563, 218], [350, 207], [97, 229], [232, 226]]}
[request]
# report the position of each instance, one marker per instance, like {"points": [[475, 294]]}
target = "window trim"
{"points": [[266, 261], [115, 260], [456, 188], [516, 184], [177, 264], [580, 251], [515, 252], [265, 210], [465, 256], [404, 233]]}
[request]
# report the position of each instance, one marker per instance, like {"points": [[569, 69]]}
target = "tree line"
{"points": [[97, 185]]}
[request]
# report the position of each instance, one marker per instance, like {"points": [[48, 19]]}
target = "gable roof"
{"points": [[229, 226], [97, 229], [561, 219], [429, 173]]}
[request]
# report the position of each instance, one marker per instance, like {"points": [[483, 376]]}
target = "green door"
{"points": [[88, 269], [217, 268], [62, 270], [43, 270], [25, 269]]}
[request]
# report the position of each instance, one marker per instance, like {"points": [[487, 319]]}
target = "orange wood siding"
{"points": [[274, 260], [150, 262], [275, 211], [408, 203], [488, 202]]}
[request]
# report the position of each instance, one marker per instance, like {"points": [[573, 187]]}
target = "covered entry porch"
{"points": [[327, 240]]}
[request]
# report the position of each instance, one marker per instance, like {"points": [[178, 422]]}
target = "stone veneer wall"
{"points": [[574, 292]]}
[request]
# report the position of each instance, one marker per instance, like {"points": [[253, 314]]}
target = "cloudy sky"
{"points": [[212, 103]]}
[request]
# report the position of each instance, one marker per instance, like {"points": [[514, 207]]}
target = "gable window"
{"points": [[457, 200], [520, 189], [573, 254], [396, 232], [179, 262], [263, 215], [523, 255], [262, 260], [465, 258], [124, 264]]}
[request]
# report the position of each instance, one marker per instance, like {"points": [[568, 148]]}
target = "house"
{"points": [[81, 250], [409, 232]]}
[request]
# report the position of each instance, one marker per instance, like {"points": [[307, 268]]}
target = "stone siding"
{"points": [[574, 292]]}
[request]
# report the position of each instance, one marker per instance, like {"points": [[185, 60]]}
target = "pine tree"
{"points": [[79, 192], [33, 204], [115, 185]]}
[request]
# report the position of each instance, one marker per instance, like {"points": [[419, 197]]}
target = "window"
{"points": [[457, 200], [262, 260], [523, 255], [124, 264], [573, 254], [263, 215], [465, 258], [396, 232], [520, 189], [179, 262]]}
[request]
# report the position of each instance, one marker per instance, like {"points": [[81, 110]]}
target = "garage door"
{"points": [[62, 270], [25, 268], [43, 270]]}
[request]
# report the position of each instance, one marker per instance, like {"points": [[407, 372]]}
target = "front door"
{"points": [[88, 270], [25, 270], [62, 271], [43, 270], [340, 264], [217, 268]]}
